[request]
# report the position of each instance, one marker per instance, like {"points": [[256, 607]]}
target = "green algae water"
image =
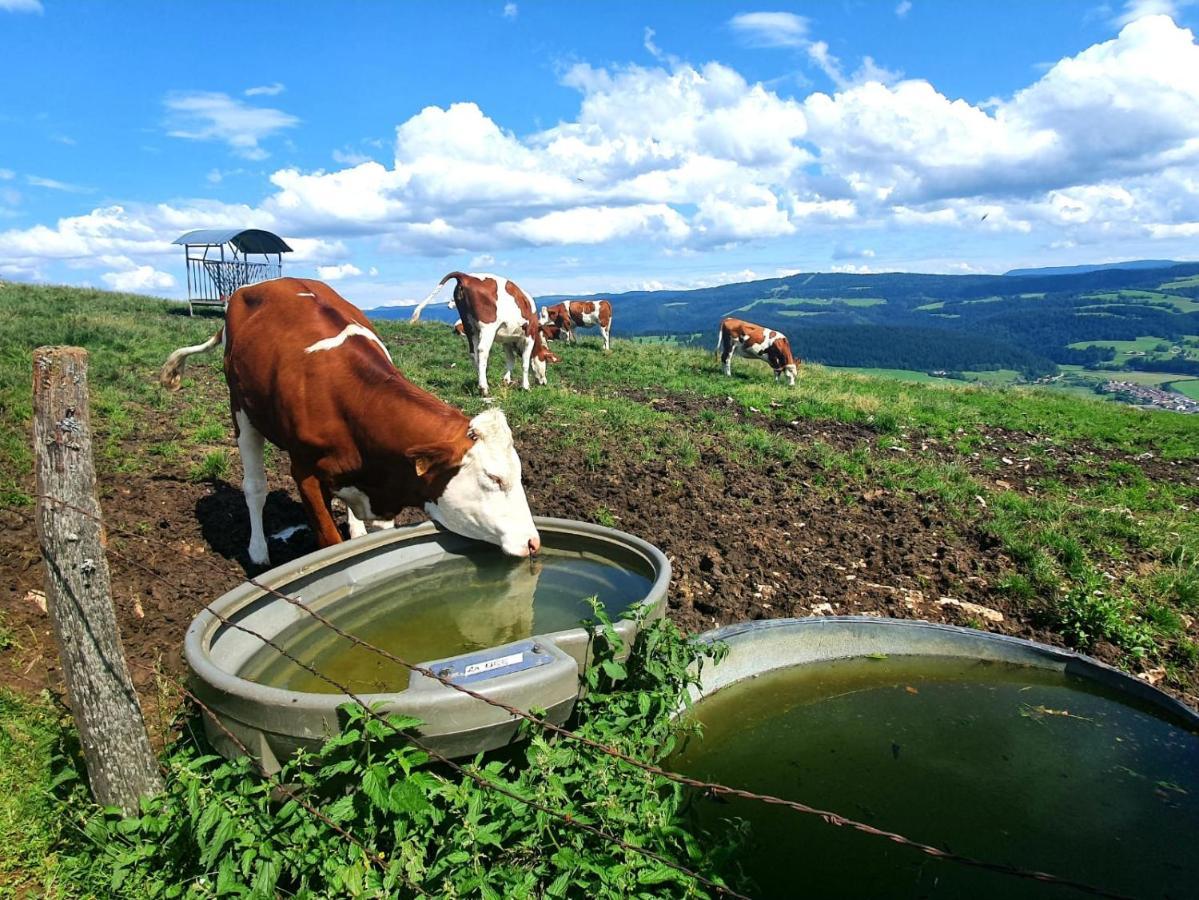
{"points": [[1005, 763], [456, 604]]}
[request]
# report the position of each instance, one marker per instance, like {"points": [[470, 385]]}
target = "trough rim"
{"points": [[197, 640], [1069, 661]]}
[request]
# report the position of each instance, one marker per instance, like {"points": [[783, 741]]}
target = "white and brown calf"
{"points": [[572, 314], [493, 309], [755, 342]]}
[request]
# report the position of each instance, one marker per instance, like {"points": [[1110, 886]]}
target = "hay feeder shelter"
{"points": [[220, 260]]}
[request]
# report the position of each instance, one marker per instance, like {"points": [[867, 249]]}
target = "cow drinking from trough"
{"points": [[307, 372], [493, 309], [756, 342], [571, 314]]}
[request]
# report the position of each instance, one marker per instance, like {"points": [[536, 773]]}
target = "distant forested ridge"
{"points": [[930, 322], [1078, 270]]}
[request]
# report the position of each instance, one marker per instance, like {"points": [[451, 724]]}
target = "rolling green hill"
{"points": [[1031, 323]]}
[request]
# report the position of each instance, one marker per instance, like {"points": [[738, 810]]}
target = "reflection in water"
{"points": [[502, 614], [1001, 762], [455, 605]]}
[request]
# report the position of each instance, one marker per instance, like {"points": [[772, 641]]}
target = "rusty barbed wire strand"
{"points": [[711, 788], [372, 856], [565, 817]]}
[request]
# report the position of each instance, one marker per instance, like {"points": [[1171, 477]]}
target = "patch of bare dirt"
{"points": [[746, 542]]}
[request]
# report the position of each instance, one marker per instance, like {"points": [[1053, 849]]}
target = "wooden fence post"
{"points": [[116, 748]]}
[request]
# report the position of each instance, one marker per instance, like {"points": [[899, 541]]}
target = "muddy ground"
{"points": [[744, 543]]}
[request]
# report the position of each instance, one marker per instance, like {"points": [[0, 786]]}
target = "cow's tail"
{"points": [[172, 369], [420, 307]]}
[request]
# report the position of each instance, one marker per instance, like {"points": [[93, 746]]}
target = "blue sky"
{"points": [[581, 147]]}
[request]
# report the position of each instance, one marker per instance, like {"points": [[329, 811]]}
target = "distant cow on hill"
{"points": [[572, 314], [307, 372], [492, 308], [754, 341]]}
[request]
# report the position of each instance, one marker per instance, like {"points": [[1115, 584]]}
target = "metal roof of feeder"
{"points": [[247, 240]]}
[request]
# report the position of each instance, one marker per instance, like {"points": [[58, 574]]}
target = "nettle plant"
{"points": [[221, 830]]}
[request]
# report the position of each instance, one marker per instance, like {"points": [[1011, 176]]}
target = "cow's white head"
{"points": [[790, 371], [485, 499], [540, 362]]}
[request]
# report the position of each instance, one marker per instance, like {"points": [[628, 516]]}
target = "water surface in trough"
{"points": [[454, 605], [1006, 763]]}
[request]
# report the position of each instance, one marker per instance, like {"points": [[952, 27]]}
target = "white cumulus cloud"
{"points": [[266, 90], [214, 116], [771, 29], [139, 278], [1137, 9], [336, 272]]}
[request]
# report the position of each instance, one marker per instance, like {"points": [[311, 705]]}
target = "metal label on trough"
{"points": [[490, 663]]}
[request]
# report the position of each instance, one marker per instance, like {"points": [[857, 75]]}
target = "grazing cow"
{"points": [[307, 372], [571, 314], [492, 308], [755, 342], [459, 329], [542, 355]]}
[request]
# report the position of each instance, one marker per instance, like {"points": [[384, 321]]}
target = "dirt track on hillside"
{"points": [[746, 542]]}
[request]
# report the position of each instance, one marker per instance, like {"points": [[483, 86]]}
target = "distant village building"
{"points": [[1154, 398]]}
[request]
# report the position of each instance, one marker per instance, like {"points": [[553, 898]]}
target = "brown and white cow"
{"points": [[542, 355], [571, 314], [493, 309], [459, 329], [307, 372], [753, 341]]}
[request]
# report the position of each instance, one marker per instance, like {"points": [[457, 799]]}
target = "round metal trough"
{"points": [[539, 672], [756, 648]]}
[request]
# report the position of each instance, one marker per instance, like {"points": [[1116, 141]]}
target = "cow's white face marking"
{"points": [[346, 333], [485, 499], [538, 367], [790, 373]]}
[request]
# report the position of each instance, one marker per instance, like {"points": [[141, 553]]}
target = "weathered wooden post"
{"points": [[116, 748]]}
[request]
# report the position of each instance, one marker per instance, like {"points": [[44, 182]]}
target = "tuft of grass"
{"points": [[213, 467], [169, 451], [209, 433]]}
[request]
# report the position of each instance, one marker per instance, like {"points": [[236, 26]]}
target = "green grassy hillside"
{"points": [[1075, 518]]}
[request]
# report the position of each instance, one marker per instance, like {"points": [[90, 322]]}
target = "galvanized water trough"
{"points": [[537, 672]]}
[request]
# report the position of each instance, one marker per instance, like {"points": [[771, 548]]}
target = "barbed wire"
{"points": [[473, 774], [706, 787]]}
